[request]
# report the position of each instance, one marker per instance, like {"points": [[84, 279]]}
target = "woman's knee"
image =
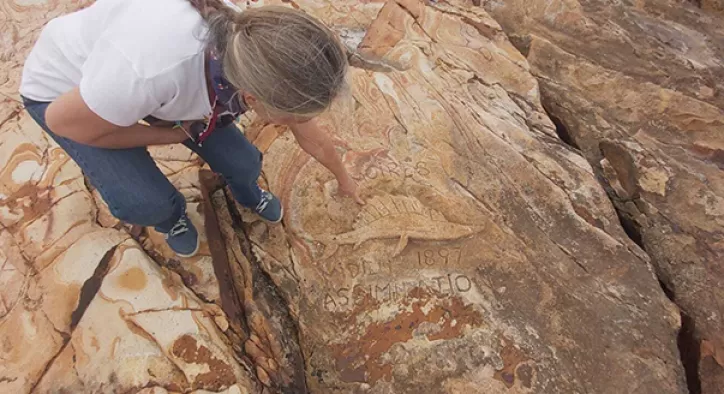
{"points": [[242, 169], [230, 154], [148, 212]]}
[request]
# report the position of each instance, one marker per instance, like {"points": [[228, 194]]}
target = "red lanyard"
{"points": [[211, 124]]}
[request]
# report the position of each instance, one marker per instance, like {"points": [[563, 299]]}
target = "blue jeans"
{"points": [[137, 192]]}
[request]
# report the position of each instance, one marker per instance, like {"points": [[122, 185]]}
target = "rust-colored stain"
{"points": [[512, 357], [363, 301], [220, 374], [39, 202], [32, 198], [133, 279], [359, 360]]}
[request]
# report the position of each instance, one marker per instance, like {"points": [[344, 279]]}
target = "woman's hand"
{"points": [[183, 132], [316, 142], [348, 188]]}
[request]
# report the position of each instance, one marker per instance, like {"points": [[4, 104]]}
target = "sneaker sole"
{"points": [[192, 254], [281, 216]]}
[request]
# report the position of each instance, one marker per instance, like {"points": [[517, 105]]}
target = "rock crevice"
{"points": [[648, 128], [520, 214]]}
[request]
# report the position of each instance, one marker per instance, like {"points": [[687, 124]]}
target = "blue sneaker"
{"points": [[269, 208], [183, 237]]}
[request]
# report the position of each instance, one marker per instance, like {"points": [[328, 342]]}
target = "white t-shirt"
{"points": [[131, 59]]}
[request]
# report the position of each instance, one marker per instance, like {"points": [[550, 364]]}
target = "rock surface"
{"points": [[712, 5], [488, 258], [83, 308], [638, 87]]}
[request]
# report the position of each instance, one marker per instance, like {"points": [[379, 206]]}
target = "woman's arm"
{"points": [[316, 142], [69, 116]]}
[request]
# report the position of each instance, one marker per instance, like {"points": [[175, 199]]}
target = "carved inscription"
{"points": [[445, 285], [384, 290], [427, 258], [391, 169], [357, 269], [438, 257]]}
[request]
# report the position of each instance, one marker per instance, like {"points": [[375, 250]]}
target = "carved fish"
{"points": [[398, 217]]}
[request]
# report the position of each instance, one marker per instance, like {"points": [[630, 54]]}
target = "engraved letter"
{"points": [[342, 293], [445, 254], [372, 172], [358, 294], [353, 269], [437, 280], [402, 290], [462, 283], [409, 172], [392, 168], [384, 289], [427, 258], [384, 265], [421, 169], [329, 303]]}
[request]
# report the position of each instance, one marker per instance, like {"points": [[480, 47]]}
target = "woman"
{"points": [[94, 74]]}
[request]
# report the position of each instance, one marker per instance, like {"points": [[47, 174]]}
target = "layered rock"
{"points": [[712, 5], [83, 308], [487, 258], [638, 88]]}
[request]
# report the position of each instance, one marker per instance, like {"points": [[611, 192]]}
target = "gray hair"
{"points": [[287, 59]]}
